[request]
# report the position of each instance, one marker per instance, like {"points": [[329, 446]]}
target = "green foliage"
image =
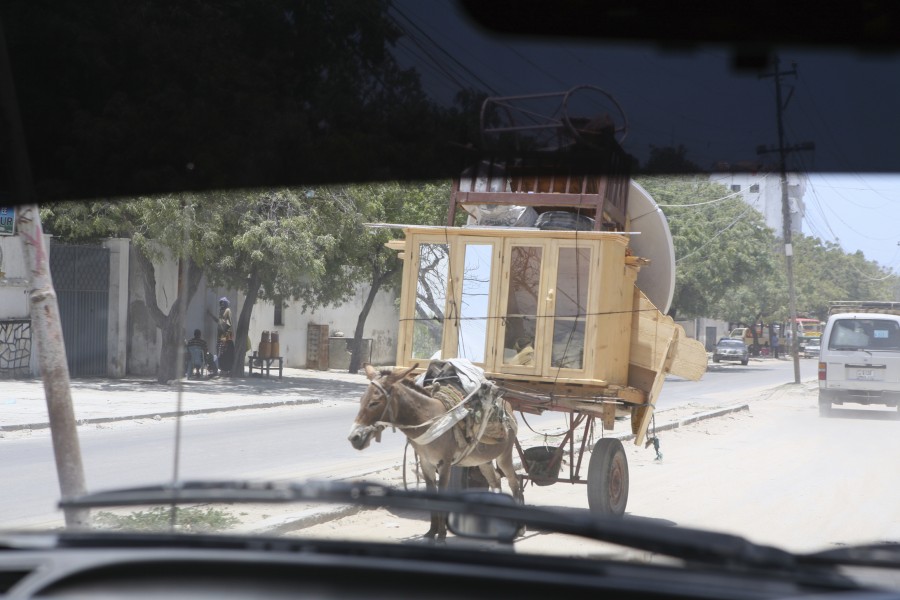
{"points": [[359, 255], [824, 272], [730, 266], [719, 245], [194, 519]]}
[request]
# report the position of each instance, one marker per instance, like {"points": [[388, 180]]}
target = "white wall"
{"points": [[381, 326], [767, 200], [696, 329], [144, 338], [15, 286]]}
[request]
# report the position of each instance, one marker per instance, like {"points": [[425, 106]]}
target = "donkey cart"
{"points": [[557, 286]]}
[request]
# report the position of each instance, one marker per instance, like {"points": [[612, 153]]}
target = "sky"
{"points": [[859, 211], [844, 103]]}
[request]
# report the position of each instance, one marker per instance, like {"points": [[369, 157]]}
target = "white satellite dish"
{"points": [[657, 280]]}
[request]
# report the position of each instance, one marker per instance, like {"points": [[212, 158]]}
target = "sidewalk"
{"points": [[23, 405]]}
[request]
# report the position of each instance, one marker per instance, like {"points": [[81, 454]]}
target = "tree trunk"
{"points": [[243, 325], [171, 352], [377, 282]]}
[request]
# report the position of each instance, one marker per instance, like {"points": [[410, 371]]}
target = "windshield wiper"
{"points": [[885, 555], [686, 544]]}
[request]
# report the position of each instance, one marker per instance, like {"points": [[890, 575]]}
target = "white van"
{"points": [[860, 360]]}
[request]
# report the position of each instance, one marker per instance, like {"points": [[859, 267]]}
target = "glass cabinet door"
{"points": [[570, 307], [521, 331], [430, 301], [474, 309]]}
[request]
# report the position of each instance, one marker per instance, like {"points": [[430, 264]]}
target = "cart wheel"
{"points": [[607, 483]]}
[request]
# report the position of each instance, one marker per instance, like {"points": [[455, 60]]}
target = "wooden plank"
{"points": [[689, 359], [646, 413], [609, 416]]}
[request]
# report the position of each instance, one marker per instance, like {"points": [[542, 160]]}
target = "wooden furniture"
{"points": [[264, 365], [553, 316]]}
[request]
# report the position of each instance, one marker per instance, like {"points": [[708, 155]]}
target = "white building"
{"points": [[760, 187], [109, 331]]}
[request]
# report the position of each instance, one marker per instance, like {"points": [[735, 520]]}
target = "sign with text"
{"points": [[7, 220]]}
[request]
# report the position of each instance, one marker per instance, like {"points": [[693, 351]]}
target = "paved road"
{"points": [[292, 442], [723, 381], [777, 474]]}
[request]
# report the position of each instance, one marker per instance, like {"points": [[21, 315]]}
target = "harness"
{"points": [[438, 425]]}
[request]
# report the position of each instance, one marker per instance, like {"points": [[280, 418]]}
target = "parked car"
{"points": [[811, 348], [732, 350]]}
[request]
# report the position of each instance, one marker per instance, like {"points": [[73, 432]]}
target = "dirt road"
{"points": [[777, 474]]}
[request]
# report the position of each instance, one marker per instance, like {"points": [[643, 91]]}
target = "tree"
{"points": [[274, 244], [360, 257], [720, 244], [267, 244], [823, 272], [731, 266]]}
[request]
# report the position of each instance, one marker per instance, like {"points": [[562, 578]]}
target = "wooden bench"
{"points": [[264, 364]]}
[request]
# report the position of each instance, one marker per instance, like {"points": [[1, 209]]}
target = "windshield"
{"points": [[865, 334], [244, 215]]}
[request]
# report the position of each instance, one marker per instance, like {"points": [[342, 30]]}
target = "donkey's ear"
{"points": [[371, 373], [399, 375]]}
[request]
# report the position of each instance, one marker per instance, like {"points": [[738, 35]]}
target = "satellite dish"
{"points": [[656, 280]]}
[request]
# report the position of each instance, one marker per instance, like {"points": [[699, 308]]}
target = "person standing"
{"points": [[225, 348]]}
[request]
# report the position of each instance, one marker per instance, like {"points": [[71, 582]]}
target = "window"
{"points": [[572, 284], [474, 311], [754, 188], [279, 312], [522, 305], [735, 187], [431, 300]]}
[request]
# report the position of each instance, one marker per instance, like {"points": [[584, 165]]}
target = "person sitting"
{"points": [[197, 350]]}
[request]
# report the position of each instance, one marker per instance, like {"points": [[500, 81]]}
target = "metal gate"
{"points": [[81, 279]]}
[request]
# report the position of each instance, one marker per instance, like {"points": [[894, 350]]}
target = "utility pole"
{"points": [[44, 307], [785, 203]]}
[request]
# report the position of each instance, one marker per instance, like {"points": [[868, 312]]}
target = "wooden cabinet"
{"points": [[522, 303]]}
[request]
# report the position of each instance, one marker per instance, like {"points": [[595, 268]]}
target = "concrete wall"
{"points": [[15, 287], [14, 283], [698, 329], [117, 332], [381, 327], [144, 338], [134, 340]]}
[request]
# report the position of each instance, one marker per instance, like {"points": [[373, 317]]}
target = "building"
{"points": [[760, 187], [108, 327]]}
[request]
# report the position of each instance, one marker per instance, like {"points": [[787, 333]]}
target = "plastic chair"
{"points": [[198, 362]]}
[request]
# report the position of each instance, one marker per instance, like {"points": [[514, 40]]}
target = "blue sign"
{"points": [[7, 220]]}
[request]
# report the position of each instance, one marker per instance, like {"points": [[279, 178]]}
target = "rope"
{"points": [[654, 439]]}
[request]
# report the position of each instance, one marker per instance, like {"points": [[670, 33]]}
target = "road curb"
{"points": [[719, 412], [161, 415]]}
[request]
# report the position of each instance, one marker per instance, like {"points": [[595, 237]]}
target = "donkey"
{"points": [[391, 399]]}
